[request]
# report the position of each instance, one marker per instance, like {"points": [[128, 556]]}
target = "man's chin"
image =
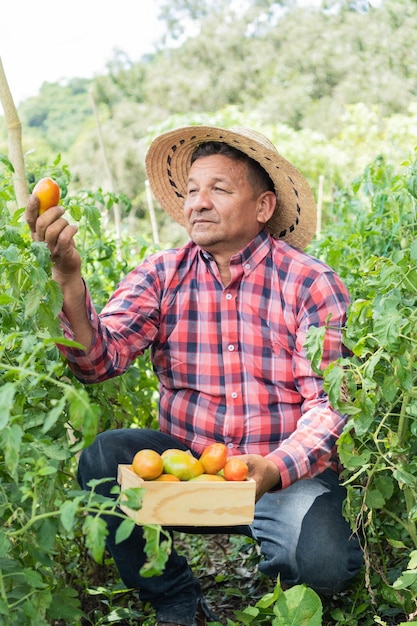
{"points": [[203, 239]]}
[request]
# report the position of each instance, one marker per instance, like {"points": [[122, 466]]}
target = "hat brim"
{"points": [[168, 162]]}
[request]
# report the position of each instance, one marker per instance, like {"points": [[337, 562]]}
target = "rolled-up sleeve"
{"points": [[311, 448]]}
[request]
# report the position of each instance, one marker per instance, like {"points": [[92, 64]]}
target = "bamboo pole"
{"points": [[319, 206], [152, 212], [14, 136], [116, 208]]}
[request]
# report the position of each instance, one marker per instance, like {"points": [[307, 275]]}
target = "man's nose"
{"points": [[200, 201]]}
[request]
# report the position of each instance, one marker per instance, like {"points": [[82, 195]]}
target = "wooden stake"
{"points": [[319, 206], [151, 212], [14, 128]]}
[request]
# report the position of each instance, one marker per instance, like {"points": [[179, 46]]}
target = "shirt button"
{"points": [[229, 296], [247, 266], [234, 394], [230, 445], [230, 348]]}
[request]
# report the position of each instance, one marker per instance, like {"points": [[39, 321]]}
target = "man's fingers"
{"points": [[63, 244], [50, 224], [31, 214]]}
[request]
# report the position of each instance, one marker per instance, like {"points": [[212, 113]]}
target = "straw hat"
{"points": [[168, 162]]}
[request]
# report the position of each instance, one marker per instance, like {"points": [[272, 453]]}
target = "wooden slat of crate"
{"points": [[190, 503]]}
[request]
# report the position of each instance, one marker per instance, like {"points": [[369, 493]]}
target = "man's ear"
{"points": [[267, 202]]}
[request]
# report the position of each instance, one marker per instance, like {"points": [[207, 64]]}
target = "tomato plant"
{"points": [[47, 416], [373, 245]]}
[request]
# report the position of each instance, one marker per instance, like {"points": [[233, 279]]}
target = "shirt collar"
{"points": [[250, 256]]}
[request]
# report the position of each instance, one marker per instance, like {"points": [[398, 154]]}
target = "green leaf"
{"points": [[125, 529], [406, 580], [32, 301], [133, 497], [396, 544], [313, 345], [364, 418], [269, 598], [333, 384], [47, 470], [46, 533], [54, 450], [93, 217], [412, 185], [413, 560], [68, 512], [65, 605], [83, 415], [4, 543], [10, 440], [33, 578], [389, 387], [55, 297], [388, 320], [6, 299], [350, 456], [63, 341], [53, 415], [95, 532], [374, 499], [413, 250], [247, 616], [156, 550], [7, 393], [404, 477], [35, 605], [385, 485], [299, 606]]}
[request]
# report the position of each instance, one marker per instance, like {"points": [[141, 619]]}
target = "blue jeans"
{"points": [[301, 531]]}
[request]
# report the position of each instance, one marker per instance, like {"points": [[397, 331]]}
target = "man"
{"points": [[225, 317]]}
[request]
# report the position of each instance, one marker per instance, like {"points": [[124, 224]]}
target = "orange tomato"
{"points": [[214, 457], [166, 478], [147, 464], [48, 192], [235, 469]]}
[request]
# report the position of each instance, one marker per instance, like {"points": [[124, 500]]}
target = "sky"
{"points": [[50, 41]]}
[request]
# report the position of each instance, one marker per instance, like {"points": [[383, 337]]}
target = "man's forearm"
{"points": [[75, 310]]}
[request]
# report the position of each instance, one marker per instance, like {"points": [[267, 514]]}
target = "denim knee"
{"points": [[304, 537]]}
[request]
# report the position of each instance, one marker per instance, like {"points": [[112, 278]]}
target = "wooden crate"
{"points": [[191, 503]]}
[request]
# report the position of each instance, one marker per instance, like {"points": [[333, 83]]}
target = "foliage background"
{"points": [[334, 87]]}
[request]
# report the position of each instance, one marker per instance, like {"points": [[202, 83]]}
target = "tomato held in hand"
{"points": [[235, 469], [48, 192]]}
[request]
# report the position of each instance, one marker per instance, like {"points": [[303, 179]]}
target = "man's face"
{"points": [[223, 212]]}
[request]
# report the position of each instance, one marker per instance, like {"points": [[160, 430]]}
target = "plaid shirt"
{"points": [[230, 360]]}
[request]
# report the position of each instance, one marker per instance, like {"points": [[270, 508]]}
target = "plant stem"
{"points": [[403, 421]]}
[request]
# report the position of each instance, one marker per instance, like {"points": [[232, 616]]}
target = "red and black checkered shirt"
{"points": [[230, 360]]}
